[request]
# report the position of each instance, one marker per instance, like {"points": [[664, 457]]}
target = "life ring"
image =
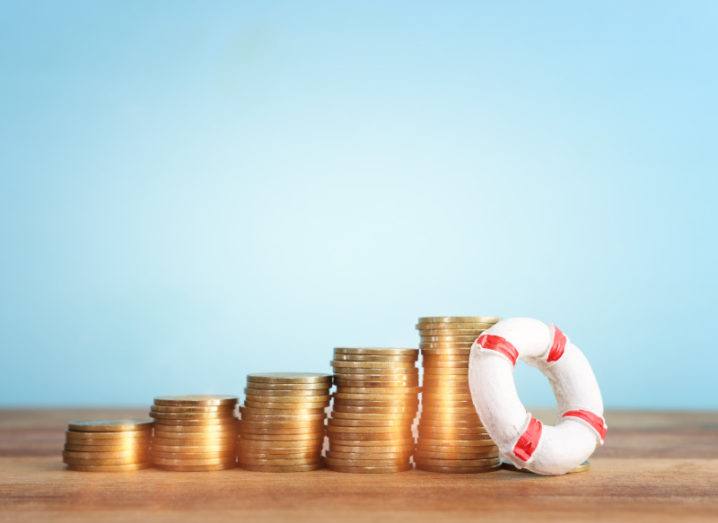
{"points": [[522, 439]]}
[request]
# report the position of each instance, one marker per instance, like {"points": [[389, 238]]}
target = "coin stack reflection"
{"points": [[194, 433], [374, 407], [282, 422], [451, 435], [107, 445]]}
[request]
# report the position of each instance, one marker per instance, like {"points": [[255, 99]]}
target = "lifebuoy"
{"points": [[522, 439]]}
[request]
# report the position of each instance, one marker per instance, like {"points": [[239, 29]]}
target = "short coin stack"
{"points": [[451, 435], [108, 445], [194, 433], [375, 404], [282, 425]]}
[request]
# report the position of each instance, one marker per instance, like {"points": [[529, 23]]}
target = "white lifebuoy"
{"points": [[522, 439]]}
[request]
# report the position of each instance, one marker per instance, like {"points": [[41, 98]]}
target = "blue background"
{"points": [[192, 191]]}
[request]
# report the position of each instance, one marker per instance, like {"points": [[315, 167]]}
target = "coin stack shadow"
{"points": [[282, 422], [107, 445], [374, 407], [451, 435], [194, 433]]}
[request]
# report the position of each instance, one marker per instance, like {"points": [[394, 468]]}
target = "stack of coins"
{"points": [[282, 422], [108, 445], [375, 404], [194, 433], [451, 435]]}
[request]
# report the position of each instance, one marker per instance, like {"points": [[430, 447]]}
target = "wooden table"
{"points": [[656, 466]]}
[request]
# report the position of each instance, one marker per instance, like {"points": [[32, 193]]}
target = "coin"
{"points": [[332, 459], [275, 430], [111, 425], [356, 429], [377, 351], [454, 442], [363, 454], [379, 383], [108, 468], [175, 416], [398, 397], [294, 393], [197, 468], [485, 452], [339, 364], [376, 357], [370, 415], [296, 400], [389, 422], [379, 390], [288, 411], [282, 468], [278, 461], [205, 422], [289, 377], [104, 461], [309, 436], [402, 448], [162, 448], [196, 399], [132, 454], [112, 438], [370, 436], [266, 385], [459, 319], [196, 429], [337, 467]]}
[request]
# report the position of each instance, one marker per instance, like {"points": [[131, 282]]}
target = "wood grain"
{"points": [[656, 466]]}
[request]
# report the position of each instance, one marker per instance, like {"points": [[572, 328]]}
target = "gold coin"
{"points": [[341, 422], [474, 424], [306, 456], [184, 409], [406, 448], [376, 351], [278, 461], [108, 468], [168, 449], [398, 397], [287, 411], [403, 455], [263, 418], [583, 467], [365, 461], [217, 460], [369, 470], [224, 455], [339, 364], [104, 438], [105, 448], [175, 416], [288, 431], [264, 385], [196, 400], [296, 393], [376, 357], [205, 422], [283, 468], [270, 447], [459, 319], [453, 418], [370, 415], [247, 425], [209, 443], [104, 461], [197, 468], [425, 430], [196, 429], [310, 436], [485, 452], [478, 462], [459, 470], [110, 425], [392, 372], [118, 454], [444, 357], [353, 384], [369, 429], [286, 408], [408, 405], [455, 442], [289, 377], [378, 390], [439, 396], [453, 327], [370, 436], [452, 364], [291, 399], [399, 441]]}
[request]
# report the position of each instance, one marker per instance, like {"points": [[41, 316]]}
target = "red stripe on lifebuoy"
{"points": [[594, 420], [529, 440], [500, 345], [558, 346]]}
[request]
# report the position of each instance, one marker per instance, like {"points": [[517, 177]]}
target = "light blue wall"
{"points": [[191, 191]]}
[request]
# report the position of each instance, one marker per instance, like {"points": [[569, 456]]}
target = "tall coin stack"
{"points": [[194, 433], [282, 422], [451, 435], [375, 404], [107, 445]]}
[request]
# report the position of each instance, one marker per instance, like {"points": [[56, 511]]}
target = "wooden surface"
{"points": [[655, 467]]}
